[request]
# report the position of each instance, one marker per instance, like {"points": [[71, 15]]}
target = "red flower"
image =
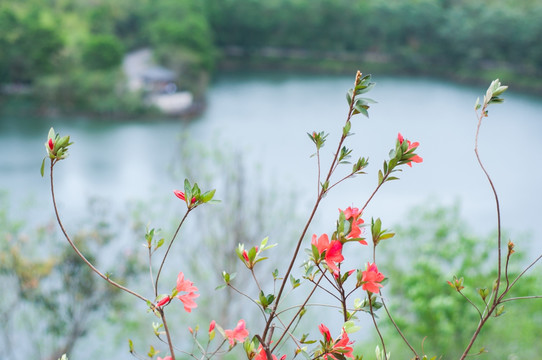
{"points": [[334, 255], [212, 326], [372, 278], [333, 250], [245, 256], [321, 244], [188, 287], [342, 346], [51, 144], [325, 331], [164, 301], [263, 356], [181, 196], [351, 212], [354, 217], [239, 334], [415, 158]]}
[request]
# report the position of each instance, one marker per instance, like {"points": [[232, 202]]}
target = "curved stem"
{"points": [[499, 258], [470, 302], [79, 253], [168, 248], [417, 357]]}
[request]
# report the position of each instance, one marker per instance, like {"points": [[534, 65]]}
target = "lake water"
{"points": [[266, 117]]}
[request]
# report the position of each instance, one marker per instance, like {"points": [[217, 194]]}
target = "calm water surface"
{"points": [[266, 118]]}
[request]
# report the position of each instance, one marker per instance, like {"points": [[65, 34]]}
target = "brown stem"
{"points": [[496, 201], [376, 325], [417, 357], [74, 247], [170, 343], [298, 312]]}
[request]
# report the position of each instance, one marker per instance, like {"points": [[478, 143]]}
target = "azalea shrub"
{"points": [[324, 260]]}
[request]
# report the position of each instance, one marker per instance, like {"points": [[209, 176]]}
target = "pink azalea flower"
{"points": [[239, 334], [415, 158], [188, 287], [166, 358], [372, 278]]}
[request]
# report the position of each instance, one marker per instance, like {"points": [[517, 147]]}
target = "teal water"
{"points": [[265, 119]]}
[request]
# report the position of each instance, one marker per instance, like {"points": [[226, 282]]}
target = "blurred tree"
{"points": [[53, 299], [29, 41], [432, 314], [102, 52]]}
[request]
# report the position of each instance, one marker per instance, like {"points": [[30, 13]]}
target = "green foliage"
{"points": [[456, 38], [29, 43], [102, 52], [432, 313]]}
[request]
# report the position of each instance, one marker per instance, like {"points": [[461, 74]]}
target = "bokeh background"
{"points": [[223, 92]]}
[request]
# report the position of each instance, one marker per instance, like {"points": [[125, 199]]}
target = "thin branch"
{"points": [[470, 302], [298, 312], [417, 357], [169, 247], [524, 271], [80, 254], [499, 258], [376, 326]]}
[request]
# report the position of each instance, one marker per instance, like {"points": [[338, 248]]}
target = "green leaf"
{"points": [[349, 96], [346, 128], [42, 167], [160, 243], [131, 345], [208, 196], [187, 191]]}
